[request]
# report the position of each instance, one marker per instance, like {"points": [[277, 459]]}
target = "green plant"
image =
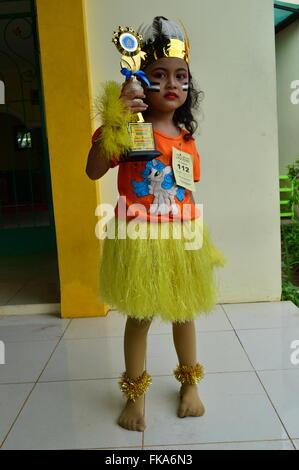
{"points": [[290, 292], [293, 175], [290, 261]]}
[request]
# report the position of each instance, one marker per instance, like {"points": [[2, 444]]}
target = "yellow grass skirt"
{"points": [[159, 269]]}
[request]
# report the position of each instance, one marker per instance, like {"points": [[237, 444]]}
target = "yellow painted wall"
{"points": [[61, 26]]}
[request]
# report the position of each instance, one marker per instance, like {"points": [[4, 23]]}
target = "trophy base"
{"points": [[140, 156]]}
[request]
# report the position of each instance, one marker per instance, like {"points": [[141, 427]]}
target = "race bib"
{"points": [[182, 164]]}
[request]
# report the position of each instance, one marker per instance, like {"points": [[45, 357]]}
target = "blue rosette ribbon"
{"points": [[139, 74]]}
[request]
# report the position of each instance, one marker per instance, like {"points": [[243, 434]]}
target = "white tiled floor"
{"points": [[59, 385]]}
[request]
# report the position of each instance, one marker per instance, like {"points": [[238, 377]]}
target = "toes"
{"points": [[122, 423], [140, 425], [137, 426], [182, 412], [131, 425]]}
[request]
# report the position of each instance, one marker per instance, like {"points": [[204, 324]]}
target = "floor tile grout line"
{"points": [[30, 393], [18, 414], [264, 388], [180, 444], [257, 329], [14, 295], [293, 444], [120, 336], [276, 411], [281, 327], [153, 375], [67, 327], [256, 372], [17, 383], [223, 310], [217, 442], [22, 406], [198, 331], [186, 444], [293, 439], [86, 338]]}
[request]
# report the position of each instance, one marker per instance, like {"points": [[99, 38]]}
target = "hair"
{"points": [[184, 114]]}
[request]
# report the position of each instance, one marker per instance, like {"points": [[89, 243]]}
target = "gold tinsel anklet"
{"points": [[189, 374], [134, 388]]}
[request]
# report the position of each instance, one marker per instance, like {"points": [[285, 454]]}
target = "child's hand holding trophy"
{"points": [[128, 42], [132, 94]]}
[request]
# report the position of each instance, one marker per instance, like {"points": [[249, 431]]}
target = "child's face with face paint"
{"points": [[169, 79]]}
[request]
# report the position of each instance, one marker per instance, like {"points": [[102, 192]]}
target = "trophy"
{"points": [[128, 42]]}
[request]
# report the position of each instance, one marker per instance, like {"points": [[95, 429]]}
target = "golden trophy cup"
{"points": [[128, 43]]}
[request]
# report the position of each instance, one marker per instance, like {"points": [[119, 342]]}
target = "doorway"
{"points": [[28, 251]]}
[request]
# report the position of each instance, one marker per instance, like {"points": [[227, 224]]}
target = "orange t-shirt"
{"points": [[148, 189]]}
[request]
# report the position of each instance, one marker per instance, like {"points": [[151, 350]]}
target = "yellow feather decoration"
{"points": [[114, 138]]}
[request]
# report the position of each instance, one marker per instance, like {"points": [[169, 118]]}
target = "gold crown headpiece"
{"points": [[163, 38]]}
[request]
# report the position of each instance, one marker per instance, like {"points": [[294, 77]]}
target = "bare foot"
{"points": [[190, 403], [131, 417]]}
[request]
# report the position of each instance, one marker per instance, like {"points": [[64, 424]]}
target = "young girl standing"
{"points": [[144, 277]]}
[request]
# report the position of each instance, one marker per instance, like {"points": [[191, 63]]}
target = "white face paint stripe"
{"points": [[155, 86]]}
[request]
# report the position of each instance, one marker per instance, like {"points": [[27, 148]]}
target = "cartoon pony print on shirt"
{"points": [[159, 181]]}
